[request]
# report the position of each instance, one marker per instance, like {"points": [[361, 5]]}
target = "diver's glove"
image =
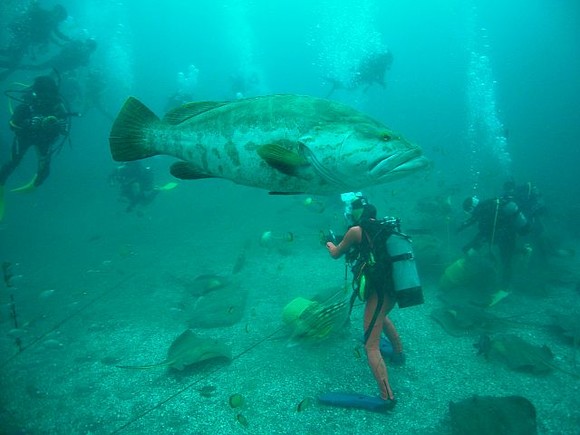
{"points": [[328, 237]]}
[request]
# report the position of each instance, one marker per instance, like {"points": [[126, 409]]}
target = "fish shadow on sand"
{"points": [[189, 350], [212, 300], [483, 415]]}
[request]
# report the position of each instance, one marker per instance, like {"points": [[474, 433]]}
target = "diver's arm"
{"points": [[352, 237], [466, 224], [58, 37], [21, 118]]}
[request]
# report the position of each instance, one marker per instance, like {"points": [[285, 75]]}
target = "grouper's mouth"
{"points": [[397, 165]]}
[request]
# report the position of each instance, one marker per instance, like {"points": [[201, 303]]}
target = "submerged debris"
{"points": [[311, 320]]}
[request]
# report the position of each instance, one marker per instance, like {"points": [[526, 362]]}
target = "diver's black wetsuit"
{"points": [[38, 126]]}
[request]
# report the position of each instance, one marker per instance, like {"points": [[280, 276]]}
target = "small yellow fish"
{"points": [[242, 420], [305, 404], [236, 400], [207, 390]]}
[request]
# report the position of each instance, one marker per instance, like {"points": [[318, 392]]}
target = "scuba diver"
{"points": [[36, 29], [38, 121], [529, 199], [244, 84], [365, 247], [73, 55], [136, 183], [186, 87], [371, 69], [499, 221]]}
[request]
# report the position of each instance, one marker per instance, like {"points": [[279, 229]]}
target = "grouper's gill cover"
{"points": [[281, 143]]}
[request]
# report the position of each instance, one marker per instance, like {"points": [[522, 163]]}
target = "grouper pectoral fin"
{"points": [[282, 159], [127, 138], [189, 110], [188, 171]]}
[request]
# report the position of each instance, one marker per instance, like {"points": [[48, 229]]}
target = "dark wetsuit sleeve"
{"points": [[20, 118], [467, 223]]}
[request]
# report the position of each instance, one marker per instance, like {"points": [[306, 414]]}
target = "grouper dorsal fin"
{"points": [[282, 159], [188, 171], [189, 110]]}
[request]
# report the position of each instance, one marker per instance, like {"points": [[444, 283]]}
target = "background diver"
{"points": [[72, 55], [30, 33], [37, 122], [136, 184], [499, 221], [370, 70]]}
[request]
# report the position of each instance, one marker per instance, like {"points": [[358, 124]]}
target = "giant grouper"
{"points": [[286, 144]]}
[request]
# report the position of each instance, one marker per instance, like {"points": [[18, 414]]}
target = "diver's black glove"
{"points": [[464, 225], [328, 237]]}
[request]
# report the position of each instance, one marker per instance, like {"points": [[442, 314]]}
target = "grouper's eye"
{"points": [[386, 137]]}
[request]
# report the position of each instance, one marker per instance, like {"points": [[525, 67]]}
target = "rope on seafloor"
{"points": [[492, 240], [194, 383], [66, 319], [178, 393], [204, 377]]}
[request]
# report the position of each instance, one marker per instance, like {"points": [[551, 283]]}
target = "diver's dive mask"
{"points": [[350, 198]]}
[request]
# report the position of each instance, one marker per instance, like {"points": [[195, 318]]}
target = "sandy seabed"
{"points": [[116, 304]]}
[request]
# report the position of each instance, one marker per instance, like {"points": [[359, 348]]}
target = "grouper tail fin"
{"points": [[127, 138]]}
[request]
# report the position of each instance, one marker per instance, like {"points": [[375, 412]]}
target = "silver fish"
{"points": [[287, 144]]}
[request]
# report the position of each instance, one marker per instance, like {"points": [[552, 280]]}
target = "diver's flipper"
{"points": [[28, 187], [169, 186], [1, 202], [355, 400], [385, 346], [497, 297]]}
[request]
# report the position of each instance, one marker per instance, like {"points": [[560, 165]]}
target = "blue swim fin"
{"points": [[356, 400], [385, 346]]}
